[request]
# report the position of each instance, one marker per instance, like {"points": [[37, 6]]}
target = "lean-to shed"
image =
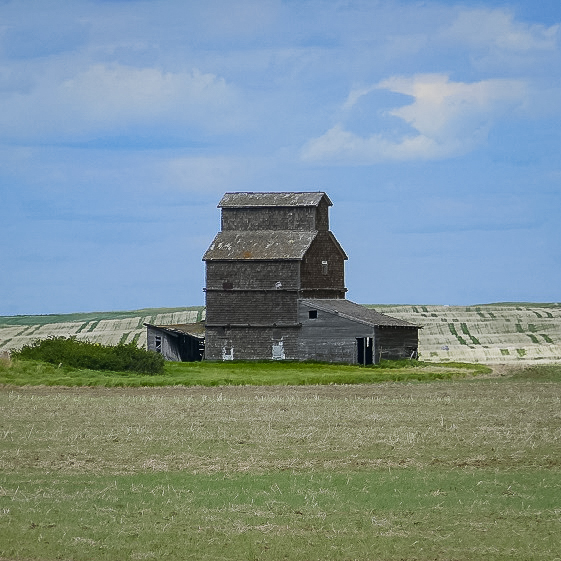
{"points": [[183, 342]]}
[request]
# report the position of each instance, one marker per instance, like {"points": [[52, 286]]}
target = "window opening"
{"points": [[158, 341], [324, 267], [313, 314]]}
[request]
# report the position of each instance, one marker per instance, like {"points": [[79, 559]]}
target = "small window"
{"points": [[324, 267], [313, 314], [158, 343]]}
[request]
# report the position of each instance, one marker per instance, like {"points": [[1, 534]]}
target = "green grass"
{"points": [[440, 471], [401, 514], [539, 372], [22, 373]]}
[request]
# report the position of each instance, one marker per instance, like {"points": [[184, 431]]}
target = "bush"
{"points": [[94, 356]]}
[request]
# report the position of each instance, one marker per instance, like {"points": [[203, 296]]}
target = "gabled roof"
{"points": [[259, 245], [356, 312], [242, 200]]}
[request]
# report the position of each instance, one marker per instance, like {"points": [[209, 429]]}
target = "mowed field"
{"points": [[468, 469], [457, 470], [492, 333], [108, 328]]}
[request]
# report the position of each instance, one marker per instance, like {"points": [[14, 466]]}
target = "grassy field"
{"points": [[492, 333], [25, 372], [444, 470]]}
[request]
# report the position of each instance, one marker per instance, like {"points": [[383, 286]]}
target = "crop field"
{"points": [[492, 333], [108, 328], [468, 469]]}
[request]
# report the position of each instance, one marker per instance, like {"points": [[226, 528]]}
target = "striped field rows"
{"points": [[104, 331], [493, 333], [490, 333]]}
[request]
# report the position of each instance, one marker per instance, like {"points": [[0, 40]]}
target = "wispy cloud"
{"points": [[446, 119], [104, 98], [498, 29]]}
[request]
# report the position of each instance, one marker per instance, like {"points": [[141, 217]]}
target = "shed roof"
{"points": [[193, 329], [356, 312], [242, 200], [259, 245]]}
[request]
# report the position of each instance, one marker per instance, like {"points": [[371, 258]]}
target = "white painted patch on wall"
{"points": [[278, 351]]}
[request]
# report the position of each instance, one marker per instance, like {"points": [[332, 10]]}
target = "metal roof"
{"points": [[242, 200], [259, 245], [356, 312]]}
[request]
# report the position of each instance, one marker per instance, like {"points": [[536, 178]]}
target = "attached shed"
{"points": [[338, 330], [181, 342]]}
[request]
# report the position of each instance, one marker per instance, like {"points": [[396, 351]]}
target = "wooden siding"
{"points": [[283, 218], [253, 275], [329, 337], [173, 346], [322, 215], [318, 280], [251, 343], [251, 307], [394, 343]]}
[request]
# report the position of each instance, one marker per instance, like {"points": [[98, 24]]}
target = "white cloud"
{"points": [[106, 93], [446, 119], [498, 29], [105, 98]]}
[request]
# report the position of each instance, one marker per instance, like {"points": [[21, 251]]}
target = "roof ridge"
{"points": [[241, 199]]}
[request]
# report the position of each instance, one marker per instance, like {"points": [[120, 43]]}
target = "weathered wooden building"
{"points": [[181, 343], [275, 288]]}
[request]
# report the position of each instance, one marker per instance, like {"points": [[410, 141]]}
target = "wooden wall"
{"points": [[329, 337], [394, 343], [314, 281], [173, 346], [249, 274], [251, 307], [273, 218], [251, 343]]}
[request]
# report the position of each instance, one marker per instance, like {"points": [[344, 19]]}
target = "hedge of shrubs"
{"points": [[94, 356]]}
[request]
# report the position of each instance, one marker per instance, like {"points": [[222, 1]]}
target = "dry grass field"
{"points": [[455, 470], [493, 333]]}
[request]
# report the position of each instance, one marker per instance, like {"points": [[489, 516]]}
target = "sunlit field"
{"points": [[468, 468]]}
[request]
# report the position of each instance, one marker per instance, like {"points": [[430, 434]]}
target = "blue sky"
{"points": [[435, 128]]}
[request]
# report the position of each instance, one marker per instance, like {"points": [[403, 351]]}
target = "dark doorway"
{"points": [[364, 350]]}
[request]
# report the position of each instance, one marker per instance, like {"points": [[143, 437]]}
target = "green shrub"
{"points": [[94, 356]]}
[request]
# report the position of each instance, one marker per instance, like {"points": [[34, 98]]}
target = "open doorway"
{"points": [[364, 347]]}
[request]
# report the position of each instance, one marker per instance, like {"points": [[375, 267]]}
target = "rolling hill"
{"points": [[490, 333]]}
